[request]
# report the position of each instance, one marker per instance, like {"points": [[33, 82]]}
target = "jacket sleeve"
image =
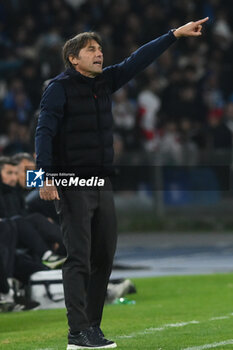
{"points": [[3, 212], [120, 74], [51, 114]]}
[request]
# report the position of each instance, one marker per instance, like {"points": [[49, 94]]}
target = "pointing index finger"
{"points": [[202, 20]]}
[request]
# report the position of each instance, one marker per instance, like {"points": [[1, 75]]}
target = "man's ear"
{"points": [[73, 60]]}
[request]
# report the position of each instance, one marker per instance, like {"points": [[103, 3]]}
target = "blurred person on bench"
{"points": [[36, 232], [34, 203], [16, 267]]}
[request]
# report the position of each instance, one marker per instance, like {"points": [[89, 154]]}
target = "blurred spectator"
{"points": [[229, 115], [222, 28], [124, 114], [18, 138], [14, 264], [218, 140], [189, 147], [35, 231], [218, 135], [32, 82], [24, 162], [149, 105], [170, 149], [17, 101], [33, 202]]}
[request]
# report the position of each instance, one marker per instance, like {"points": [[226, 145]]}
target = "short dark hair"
{"points": [[6, 160], [73, 46], [18, 157]]}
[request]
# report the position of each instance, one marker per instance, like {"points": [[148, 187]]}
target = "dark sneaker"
{"points": [[98, 332], [6, 306], [26, 303], [53, 261], [7, 302], [88, 339], [10, 307]]}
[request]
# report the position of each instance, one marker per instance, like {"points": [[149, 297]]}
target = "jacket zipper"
{"points": [[99, 129]]}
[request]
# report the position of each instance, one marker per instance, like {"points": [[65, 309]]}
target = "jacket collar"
{"points": [[6, 188], [76, 74]]}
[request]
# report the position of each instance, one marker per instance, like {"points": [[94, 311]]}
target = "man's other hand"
{"points": [[190, 29], [49, 193]]}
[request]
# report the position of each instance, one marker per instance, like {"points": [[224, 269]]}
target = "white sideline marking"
{"points": [[170, 325], [210, 346], [159, 329], [219, 318]]}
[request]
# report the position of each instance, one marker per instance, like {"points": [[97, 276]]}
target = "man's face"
{"points": [[23, 166], [90, 60], [9, 175]]}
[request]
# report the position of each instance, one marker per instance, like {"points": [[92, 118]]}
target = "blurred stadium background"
{"points": [[178, 112]]}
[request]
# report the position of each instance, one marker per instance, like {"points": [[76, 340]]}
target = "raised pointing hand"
{"points": [[191, 28]]}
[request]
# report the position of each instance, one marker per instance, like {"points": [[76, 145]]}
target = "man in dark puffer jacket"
{"points": [[11, 203], [74, 132]]}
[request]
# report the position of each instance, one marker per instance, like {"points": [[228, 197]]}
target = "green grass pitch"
{"points": [[171, 313]]}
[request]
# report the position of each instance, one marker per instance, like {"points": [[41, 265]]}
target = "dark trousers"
{"points": [[8, 241], [50, 232], [25, 266], [30, 238], [4, 286], [12, 262], [89, 229], [38, 235]]}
